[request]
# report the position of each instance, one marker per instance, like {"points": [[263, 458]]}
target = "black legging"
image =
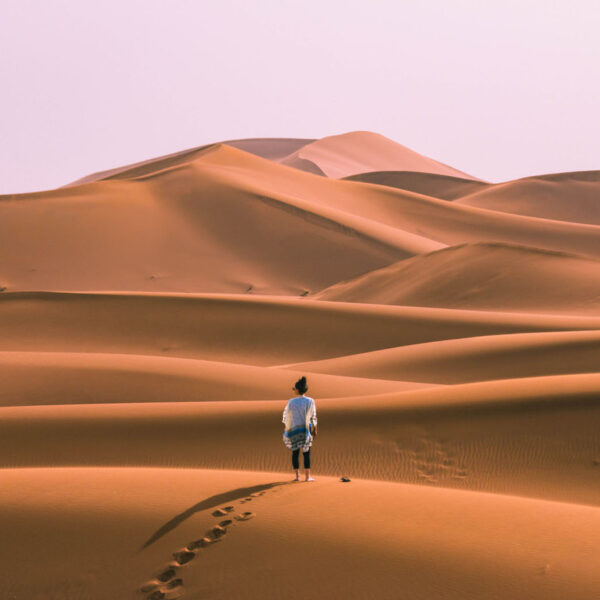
{"points": [[296, 456]]}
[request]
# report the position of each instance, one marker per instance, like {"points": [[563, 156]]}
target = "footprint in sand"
{"points": [[166, 593], [433, 460], [184, 556], [218, 531], [201, 543], [150, 586], [221, 512], [165, 576], [174, 583], [460, 474], [244, 516], [225, 523]]}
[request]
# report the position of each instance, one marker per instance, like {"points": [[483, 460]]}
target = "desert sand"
{"points": [[155, 317]]}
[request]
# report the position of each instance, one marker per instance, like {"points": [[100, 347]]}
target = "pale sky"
{"points": [[499, 89]]}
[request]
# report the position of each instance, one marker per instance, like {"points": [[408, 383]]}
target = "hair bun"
{"points": [[301, 385]]}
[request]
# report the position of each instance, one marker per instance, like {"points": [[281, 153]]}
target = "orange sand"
{"points": [[155, 316]]}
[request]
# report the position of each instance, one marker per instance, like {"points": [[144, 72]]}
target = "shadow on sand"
{"points": [[205, 504]]}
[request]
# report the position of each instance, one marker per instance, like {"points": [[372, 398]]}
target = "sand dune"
{"points": [[377, 537], [155, 317], [193, 228], [335, 156], [573, 197], [31, 378], [254, 330], [444, 187], [480, 358], [359, 151], [228, 221], [445, 436], [481, 277]]}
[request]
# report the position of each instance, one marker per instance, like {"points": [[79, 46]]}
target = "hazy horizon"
{"points": [[500, 91]]}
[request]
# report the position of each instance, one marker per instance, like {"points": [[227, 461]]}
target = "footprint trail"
{"points": [[168, 583]]}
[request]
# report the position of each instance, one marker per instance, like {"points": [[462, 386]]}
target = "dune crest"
{"points": [[359, 151]]}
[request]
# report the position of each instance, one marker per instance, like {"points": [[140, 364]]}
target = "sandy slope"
{"points": [[255, 330], [359, 151], [571, 197], [379, 540], [480, 358], [140, 168], [155, 316], [540, 434], [481, 277], [30, 378], [209, 225]]}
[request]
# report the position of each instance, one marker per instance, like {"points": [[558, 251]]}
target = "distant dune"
{"points": [[481, 276], [360, 151], [155, 317], [477, 358], [573, 197]]}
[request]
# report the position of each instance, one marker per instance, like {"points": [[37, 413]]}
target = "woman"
{"points": [[300, 427]]}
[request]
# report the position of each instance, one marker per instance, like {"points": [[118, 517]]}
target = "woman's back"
{"points": [[300, 427], [298, 409]]}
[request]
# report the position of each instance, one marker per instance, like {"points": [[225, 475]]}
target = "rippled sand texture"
{"points": [[155, 317]]}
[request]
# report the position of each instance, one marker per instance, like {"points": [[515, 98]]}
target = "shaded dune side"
{"points": [[444, 436], [359, 151], [451, 223], [406, 213], [32, 378], [412, 222], [269, 148], [467, 360], [257, 330], [482, 277], [573, 197], [193, 228], [444, 187]]}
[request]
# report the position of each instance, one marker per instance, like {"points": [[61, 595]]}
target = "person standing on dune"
{"points": [[300, 427]]}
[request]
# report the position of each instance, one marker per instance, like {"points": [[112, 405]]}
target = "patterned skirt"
{"points": [[299, 437]]}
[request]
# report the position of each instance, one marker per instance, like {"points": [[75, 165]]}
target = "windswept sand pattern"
{"points": [[155, 317]]}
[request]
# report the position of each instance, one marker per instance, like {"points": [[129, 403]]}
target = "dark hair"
{"points": [[301, 385]]}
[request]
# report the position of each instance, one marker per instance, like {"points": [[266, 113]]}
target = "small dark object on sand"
{"points": [[345, 479]]}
